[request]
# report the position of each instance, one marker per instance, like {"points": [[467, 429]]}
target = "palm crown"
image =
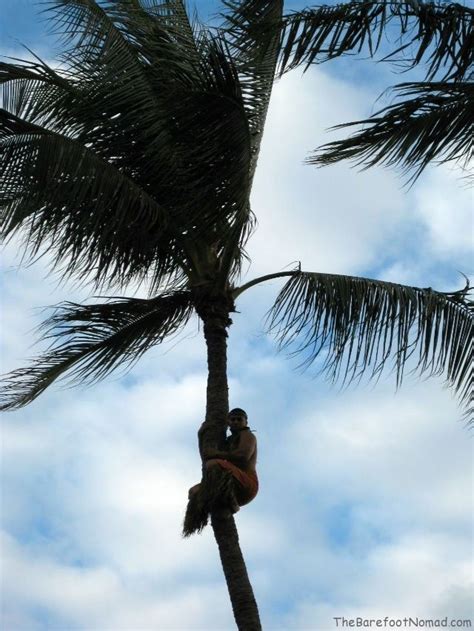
{"points": [[133, 160]]}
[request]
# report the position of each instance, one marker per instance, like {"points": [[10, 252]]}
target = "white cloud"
{"points": [[399, 445], [99, 598], [445, 206], [334, 219]]}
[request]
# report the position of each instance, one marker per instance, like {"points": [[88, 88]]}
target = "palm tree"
{"points": [[133, 160]]}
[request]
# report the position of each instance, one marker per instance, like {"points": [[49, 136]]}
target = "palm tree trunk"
{"points": [[241, 594]]}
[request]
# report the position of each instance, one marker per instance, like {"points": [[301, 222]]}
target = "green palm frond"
{"points": [[214, 135], [174, 15], [439, 33], [103, 55], [130, 70], [132, 61], [55, 191], [359, 326], [252, 28], [251, 31], [434, 124], [160, 108], [32, 91], [88, 342]]}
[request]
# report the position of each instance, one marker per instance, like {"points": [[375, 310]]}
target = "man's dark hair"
{"points": [[238, 412]]}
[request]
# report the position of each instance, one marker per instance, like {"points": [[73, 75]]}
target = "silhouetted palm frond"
{"points": [[361, 325], [156, 104], [60, 193], [435, 124], [253, 33], [442, 34], [134, 159], [252, 36], [90, 341]]}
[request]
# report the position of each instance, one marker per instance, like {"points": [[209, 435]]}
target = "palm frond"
{"points": [[439, 33], [172, 124], [56, 191], [434, 124], [174, 15], [31, 90], [360, 326], [88, 342], [252, 29], [129, 69], [101, 52], [214, 135], [251, 32]]}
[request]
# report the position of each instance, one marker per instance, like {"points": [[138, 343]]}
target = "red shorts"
{"points": [[247, 482]]}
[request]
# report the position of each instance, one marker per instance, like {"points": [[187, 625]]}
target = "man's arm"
{"points": [[201, 432], [240, 454]]}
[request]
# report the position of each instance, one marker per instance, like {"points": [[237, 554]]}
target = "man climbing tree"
{"points": [[132, 162], [229, 474]]}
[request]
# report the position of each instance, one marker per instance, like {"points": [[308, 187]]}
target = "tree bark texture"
{"points": [[241, 594], [243, 602], [217, 395]]}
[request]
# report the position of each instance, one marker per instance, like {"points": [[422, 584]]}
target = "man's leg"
{"points": [[212, 463], [195, 489]]}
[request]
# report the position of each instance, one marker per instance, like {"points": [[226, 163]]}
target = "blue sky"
{"points": [[366, 494]]}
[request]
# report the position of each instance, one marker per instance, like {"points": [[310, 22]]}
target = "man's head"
{"points": [[237, 419]]}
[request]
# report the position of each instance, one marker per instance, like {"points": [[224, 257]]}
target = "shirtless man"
{"points": [[239, 457]]}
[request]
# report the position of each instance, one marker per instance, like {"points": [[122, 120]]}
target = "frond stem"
{"points": [[456, 296], [261, 279]]}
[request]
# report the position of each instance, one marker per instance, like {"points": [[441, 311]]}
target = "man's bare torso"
{"points": [[241, 448]]}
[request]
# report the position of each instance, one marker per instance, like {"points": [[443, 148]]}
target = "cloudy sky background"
{"points": [[365, 506]]}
